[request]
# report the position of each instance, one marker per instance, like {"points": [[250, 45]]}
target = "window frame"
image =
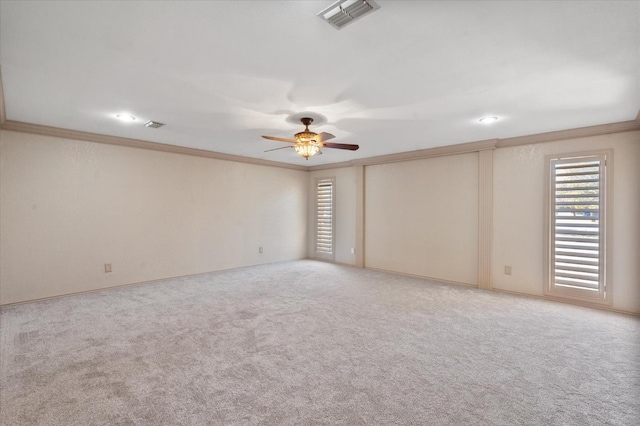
{"points": [[603, 295], [319, 254]]}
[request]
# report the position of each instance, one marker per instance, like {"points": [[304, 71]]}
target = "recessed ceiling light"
{"points": [[488, 120], [125, 117]]}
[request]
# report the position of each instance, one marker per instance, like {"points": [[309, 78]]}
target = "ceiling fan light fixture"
{"points": [[307, 149], [308, 143]]}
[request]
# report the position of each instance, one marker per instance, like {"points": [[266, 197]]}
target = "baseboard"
{"points": [[76, 293], [515, 293], [424, 277], [319, 259], [568, 302]]}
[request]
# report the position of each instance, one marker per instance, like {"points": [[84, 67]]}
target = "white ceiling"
{"points": [[411, 75]]}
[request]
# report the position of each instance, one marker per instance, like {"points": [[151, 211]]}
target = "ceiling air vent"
{"points": [[343, 12], [153, 124]]}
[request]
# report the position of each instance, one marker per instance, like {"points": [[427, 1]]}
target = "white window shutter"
{"points": [[325, 218], [577, 227]]}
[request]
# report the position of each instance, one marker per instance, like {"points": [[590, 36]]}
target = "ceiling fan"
{"points": [[308, 143]]}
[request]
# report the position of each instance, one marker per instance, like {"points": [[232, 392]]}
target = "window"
{"points": [[577, 227], [325, 218]]}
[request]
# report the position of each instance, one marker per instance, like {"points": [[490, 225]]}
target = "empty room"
{"points": [[353, 212]]}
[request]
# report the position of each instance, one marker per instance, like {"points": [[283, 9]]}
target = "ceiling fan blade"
{"points": [[324, 136], [275, 149], [273, 138], [341, 146]]}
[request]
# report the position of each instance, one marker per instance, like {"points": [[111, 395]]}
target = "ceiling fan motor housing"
{"points": [[306, 135]]}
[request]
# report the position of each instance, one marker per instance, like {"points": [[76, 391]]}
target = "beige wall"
{"points": [[519, 222], [68, 207], [421, 217], [346, 215]]}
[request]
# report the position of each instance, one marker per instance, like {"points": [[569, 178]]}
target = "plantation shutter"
{"points": [[325, 218], [577, 226]]}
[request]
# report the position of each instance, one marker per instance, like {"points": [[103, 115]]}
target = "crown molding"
{"points": [[581, 132], [463, 148], [440, 151], [331, 166], [420, 154], [18, 126]]}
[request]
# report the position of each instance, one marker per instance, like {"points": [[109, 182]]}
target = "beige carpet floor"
{"points": [[312, 343]]}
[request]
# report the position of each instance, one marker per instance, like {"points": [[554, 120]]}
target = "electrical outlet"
{"points": [[507, 270], [353, 251], [260, 250], [107, 267]]}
